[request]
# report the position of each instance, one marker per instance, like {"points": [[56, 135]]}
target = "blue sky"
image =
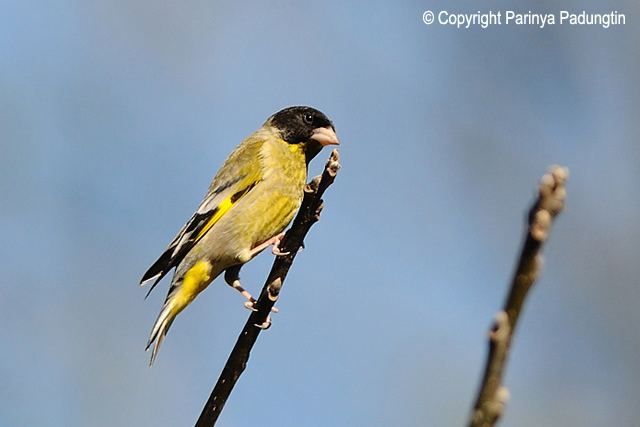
{"points": [[115, 115]]}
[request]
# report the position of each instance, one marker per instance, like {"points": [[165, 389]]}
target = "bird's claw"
{"points": [[277, 252], [264, 325], [251, 305], [276, 246]]}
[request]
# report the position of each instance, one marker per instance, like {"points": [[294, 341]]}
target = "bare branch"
{"points": [[492, 395], [308, 215]]}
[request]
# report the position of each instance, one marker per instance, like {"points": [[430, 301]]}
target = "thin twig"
{"points": [[308, 215], [492, 395]]}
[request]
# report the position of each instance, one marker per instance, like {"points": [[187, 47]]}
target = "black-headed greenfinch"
{"points": [[250, 201]]}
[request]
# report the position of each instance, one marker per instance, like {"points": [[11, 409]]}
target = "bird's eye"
{"points": [[308, 118]]}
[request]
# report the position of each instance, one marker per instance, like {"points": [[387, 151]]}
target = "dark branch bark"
{"points": [[492, 395], [308, 215]]}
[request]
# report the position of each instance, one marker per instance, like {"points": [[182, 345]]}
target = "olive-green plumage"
{"points": [[250, 201]]}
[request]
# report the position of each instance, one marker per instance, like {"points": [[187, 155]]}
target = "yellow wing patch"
{"points": [[222, 209]]}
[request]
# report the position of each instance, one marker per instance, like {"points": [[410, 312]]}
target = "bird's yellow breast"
{"points": [[286, 164]]}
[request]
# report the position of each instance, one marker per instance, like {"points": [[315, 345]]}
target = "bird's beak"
{"points": [[325, 136]]}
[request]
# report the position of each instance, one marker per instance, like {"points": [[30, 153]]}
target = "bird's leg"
{"points": [[275, 241], [232, 277]]}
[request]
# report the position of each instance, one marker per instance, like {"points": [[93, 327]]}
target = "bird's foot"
{"points": [[276, 246], [251, 305], [275, 241], [264, 325]]}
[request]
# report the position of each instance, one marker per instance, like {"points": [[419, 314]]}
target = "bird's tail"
{"points": [[181, 293], [161, 327]]}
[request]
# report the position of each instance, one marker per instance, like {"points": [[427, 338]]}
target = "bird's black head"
{"points": [[304, 124]]}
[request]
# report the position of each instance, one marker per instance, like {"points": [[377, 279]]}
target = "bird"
{"points": [[250, 201]]}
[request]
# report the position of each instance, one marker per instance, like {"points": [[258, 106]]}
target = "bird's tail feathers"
{"points": [[181, 293], [160, 328]]}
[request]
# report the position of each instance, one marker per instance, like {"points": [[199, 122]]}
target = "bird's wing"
{"points": [[239, 175]]}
